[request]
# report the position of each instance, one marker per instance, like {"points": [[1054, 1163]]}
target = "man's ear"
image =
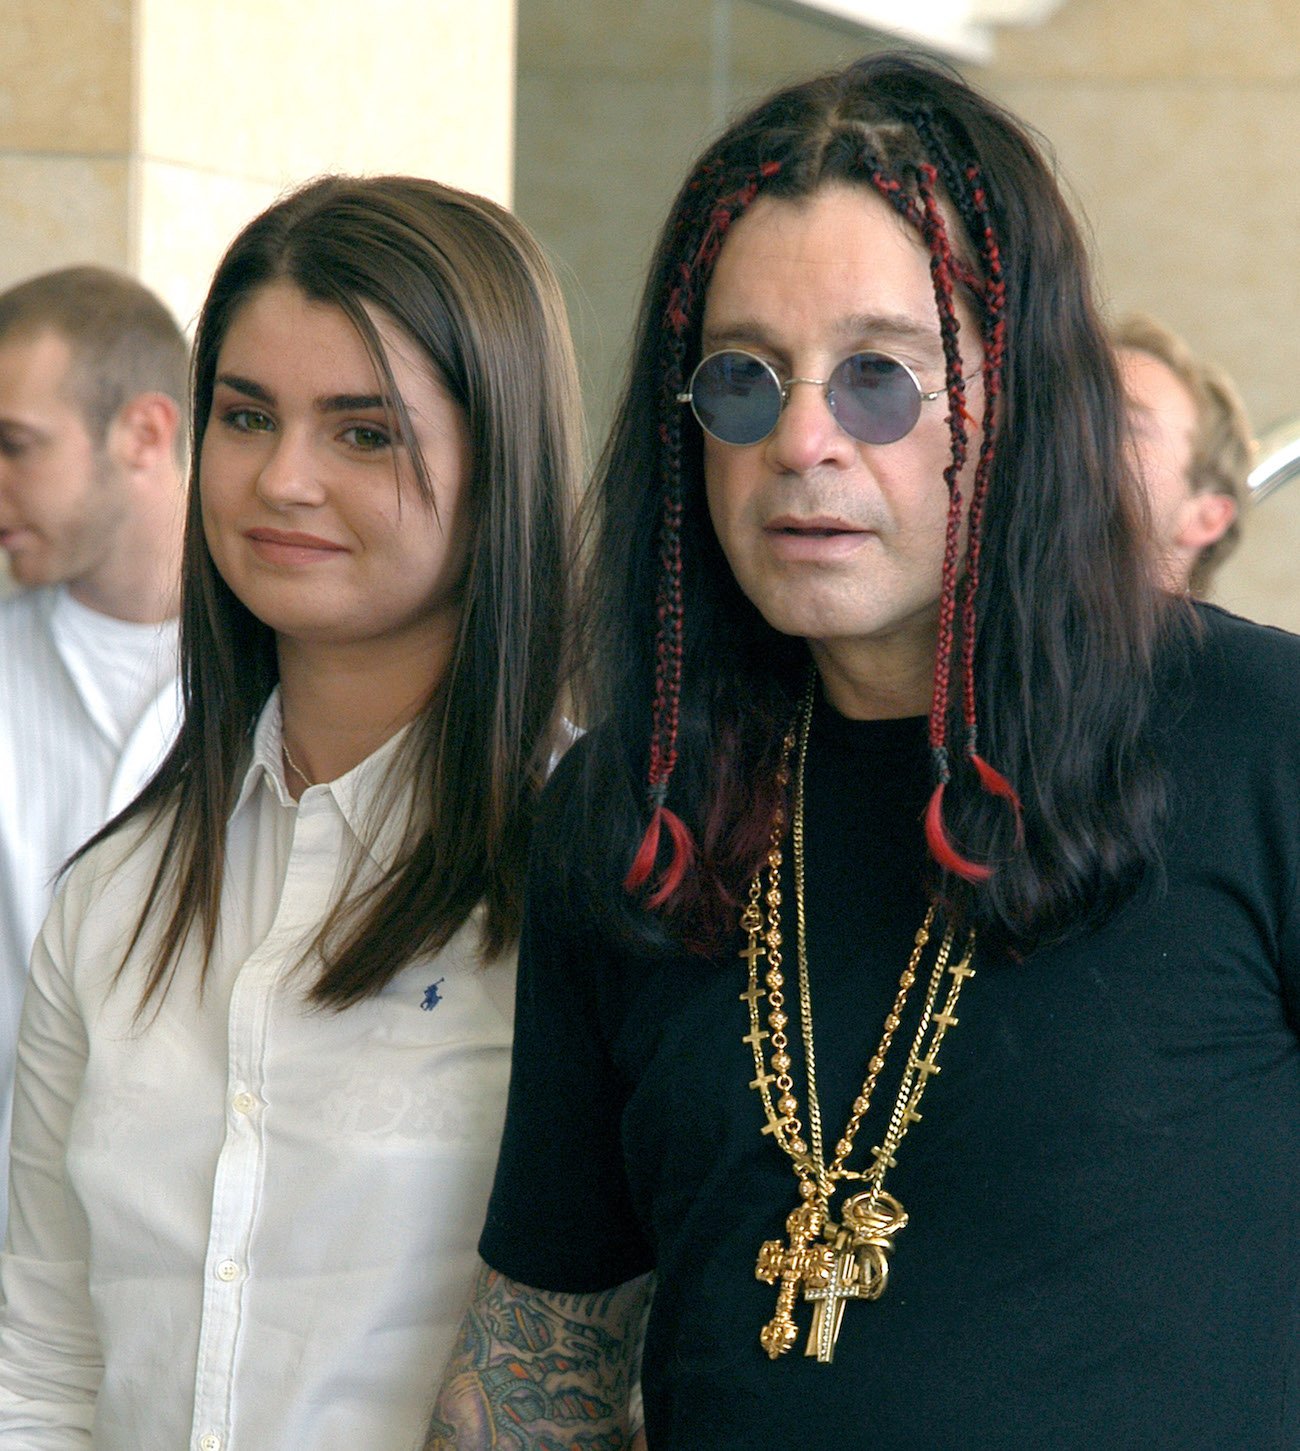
{"points": [[1203, 519], [144, 430]]}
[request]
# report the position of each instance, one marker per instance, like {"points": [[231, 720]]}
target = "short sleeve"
{"points": [[1248, 724], [561, 1217], [1289, 944]]}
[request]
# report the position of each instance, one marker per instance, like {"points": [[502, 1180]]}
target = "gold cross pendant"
{"points": [[829, 1295], [793, 1265]]}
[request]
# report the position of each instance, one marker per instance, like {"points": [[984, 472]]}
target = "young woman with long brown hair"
{"points": [[266, 1043]]}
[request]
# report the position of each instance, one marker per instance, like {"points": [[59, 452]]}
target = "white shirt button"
{"points": [[227, 1270], [244, 1102], [209, 1442]]}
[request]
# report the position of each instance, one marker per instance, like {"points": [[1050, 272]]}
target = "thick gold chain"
{"points": [[827, 1174], [803, 1261]]}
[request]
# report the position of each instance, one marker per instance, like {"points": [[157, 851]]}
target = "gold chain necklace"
{"points": [[294, 766], [831, 1261]]}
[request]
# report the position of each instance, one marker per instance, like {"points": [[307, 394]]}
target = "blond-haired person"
{"points": [[1192, 447]]}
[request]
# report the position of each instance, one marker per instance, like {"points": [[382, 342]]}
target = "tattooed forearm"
{"points": [[535, 1371]]}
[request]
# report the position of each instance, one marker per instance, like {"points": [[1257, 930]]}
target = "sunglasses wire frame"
{"points": [[826, 384]]}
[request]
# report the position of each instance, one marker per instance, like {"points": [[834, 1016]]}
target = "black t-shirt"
{"points": [[1104, 1189]]}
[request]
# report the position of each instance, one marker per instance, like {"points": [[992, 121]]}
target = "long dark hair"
{"points": [[471, 287], [1063, 626]]}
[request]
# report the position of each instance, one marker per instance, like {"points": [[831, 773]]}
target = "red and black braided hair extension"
{"points": [[684, 299], [1048, 626]]}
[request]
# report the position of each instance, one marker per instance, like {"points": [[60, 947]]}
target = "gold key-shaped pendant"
{"points": [[871, 1220]]}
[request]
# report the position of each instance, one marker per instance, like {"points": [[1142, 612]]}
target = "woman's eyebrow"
{"points": [[246, 386], [328, 403], [352, 402]]}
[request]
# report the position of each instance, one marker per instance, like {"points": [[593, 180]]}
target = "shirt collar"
{"points": [[356, 793]]}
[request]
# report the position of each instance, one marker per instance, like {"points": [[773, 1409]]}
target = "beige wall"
{"points": [[65, 133], [615, 99], [1176, 125], [143, 133]]}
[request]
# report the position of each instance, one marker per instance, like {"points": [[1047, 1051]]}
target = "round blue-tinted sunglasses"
{"points": [[738, 398]]}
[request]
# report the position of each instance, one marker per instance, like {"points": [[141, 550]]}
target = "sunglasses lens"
{"points": [[874, 397], [736, 397]]}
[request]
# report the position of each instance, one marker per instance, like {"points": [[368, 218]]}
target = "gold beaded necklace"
{"points": [[831, 1261]]}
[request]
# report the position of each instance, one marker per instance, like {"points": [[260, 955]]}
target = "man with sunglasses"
{"points": [[911, 969]]}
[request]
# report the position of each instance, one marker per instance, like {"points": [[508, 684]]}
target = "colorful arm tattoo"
{"points": [[537, 1371]]}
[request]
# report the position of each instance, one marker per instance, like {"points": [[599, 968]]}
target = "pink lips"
{"points": [[283, 546], [818, 538]]}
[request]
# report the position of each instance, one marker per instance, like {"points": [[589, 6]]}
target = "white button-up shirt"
{"points": [[66, 766], [245, 1222]]}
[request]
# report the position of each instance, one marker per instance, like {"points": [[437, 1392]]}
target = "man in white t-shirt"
{"points": [[92, 389]]}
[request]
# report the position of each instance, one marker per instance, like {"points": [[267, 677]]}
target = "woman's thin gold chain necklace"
{"points": [[294, 766], [831, 1261]]}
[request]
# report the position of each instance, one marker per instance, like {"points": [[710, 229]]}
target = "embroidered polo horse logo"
{"points": [[432, 997]]}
